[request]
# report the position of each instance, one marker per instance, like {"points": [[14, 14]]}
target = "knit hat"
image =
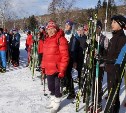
{"points": [[121, 20], [99, 24], [69, 22], [86, 27], [51, 24], [42, 27]]}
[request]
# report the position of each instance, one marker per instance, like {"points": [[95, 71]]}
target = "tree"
{"points": [[32, 23], [107, 9], [99, 4], [60, 9], [4, 8]]}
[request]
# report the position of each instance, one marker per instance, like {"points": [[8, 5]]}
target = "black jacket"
{"points": [[74, 51], [115, 45]]}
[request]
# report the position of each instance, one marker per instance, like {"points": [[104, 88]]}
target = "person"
{"points": [[73, 52], [41, 36], [102, 52], [28, 44], [82, 47], [3, 47], [8, 45], [116, 43], [54, 62], [15, 48]]}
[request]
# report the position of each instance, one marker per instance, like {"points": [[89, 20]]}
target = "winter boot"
{"points": [[49, 106], [56, 105], [38, 69], [3, 70], [125, 104]]}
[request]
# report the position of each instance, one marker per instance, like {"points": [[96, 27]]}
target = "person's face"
{"points": [[115, 26], [98, 30], [38, 35], [67, 27], [14, 32], [80, 32], [41, 30], [51, 31], [11, 32]]}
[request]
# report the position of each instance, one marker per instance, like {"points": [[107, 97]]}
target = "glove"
{"points": [[43, 70], [26, 49], [75, 65], [60, 75]]}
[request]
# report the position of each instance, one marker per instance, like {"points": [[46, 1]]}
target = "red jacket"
{"points": [[40, 46], [29, 40], [3, 43], [55, 54]]}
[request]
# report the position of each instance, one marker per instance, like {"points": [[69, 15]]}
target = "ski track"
{"points": [[20, 94]]}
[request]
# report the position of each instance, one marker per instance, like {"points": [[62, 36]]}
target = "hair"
{"points": [[29, 32], [41, 35], [1, 29]]}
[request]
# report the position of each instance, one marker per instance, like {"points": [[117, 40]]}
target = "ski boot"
{"points": [[3, 70], [125, 104], [38, 69], [49, 106], [56, 105]]}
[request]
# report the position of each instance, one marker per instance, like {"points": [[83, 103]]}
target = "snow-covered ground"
{"points": [[20, 94]]}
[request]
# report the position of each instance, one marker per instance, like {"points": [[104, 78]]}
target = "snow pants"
{"points": [[54, 85], [69, 79], [112, 82], [15, 55]]}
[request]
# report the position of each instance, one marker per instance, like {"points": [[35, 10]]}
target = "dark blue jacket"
{"points": [[16, 40]]}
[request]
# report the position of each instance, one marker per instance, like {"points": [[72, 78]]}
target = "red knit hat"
{"points": [[51, 24], [86, 27]]}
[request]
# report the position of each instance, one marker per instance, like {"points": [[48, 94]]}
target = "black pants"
{"points": [[80, 63], [54, 85], [68, 78], [15, 55], [40, 59], [112, 81]]}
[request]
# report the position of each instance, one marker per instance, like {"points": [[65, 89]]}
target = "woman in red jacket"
{"points": [[3, 47], [41, 37], [54, 62], [29, 42]]}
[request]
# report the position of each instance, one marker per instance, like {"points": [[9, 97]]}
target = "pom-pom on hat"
{"points": [[121, 20]]}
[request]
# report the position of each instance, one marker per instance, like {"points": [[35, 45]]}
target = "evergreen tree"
{"points": [[32, 23], [99, 4], [111, 10]]}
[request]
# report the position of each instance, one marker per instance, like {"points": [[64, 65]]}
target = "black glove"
{"points": [[26, 49]]}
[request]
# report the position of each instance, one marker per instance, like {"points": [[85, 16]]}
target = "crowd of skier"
{"points": [[85, 51], [9, 48]]}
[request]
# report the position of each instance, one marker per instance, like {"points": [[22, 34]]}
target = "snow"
{"points": [[20, 94]]}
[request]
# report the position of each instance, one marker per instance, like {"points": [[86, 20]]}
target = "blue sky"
{"points": [[39, 7]]}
